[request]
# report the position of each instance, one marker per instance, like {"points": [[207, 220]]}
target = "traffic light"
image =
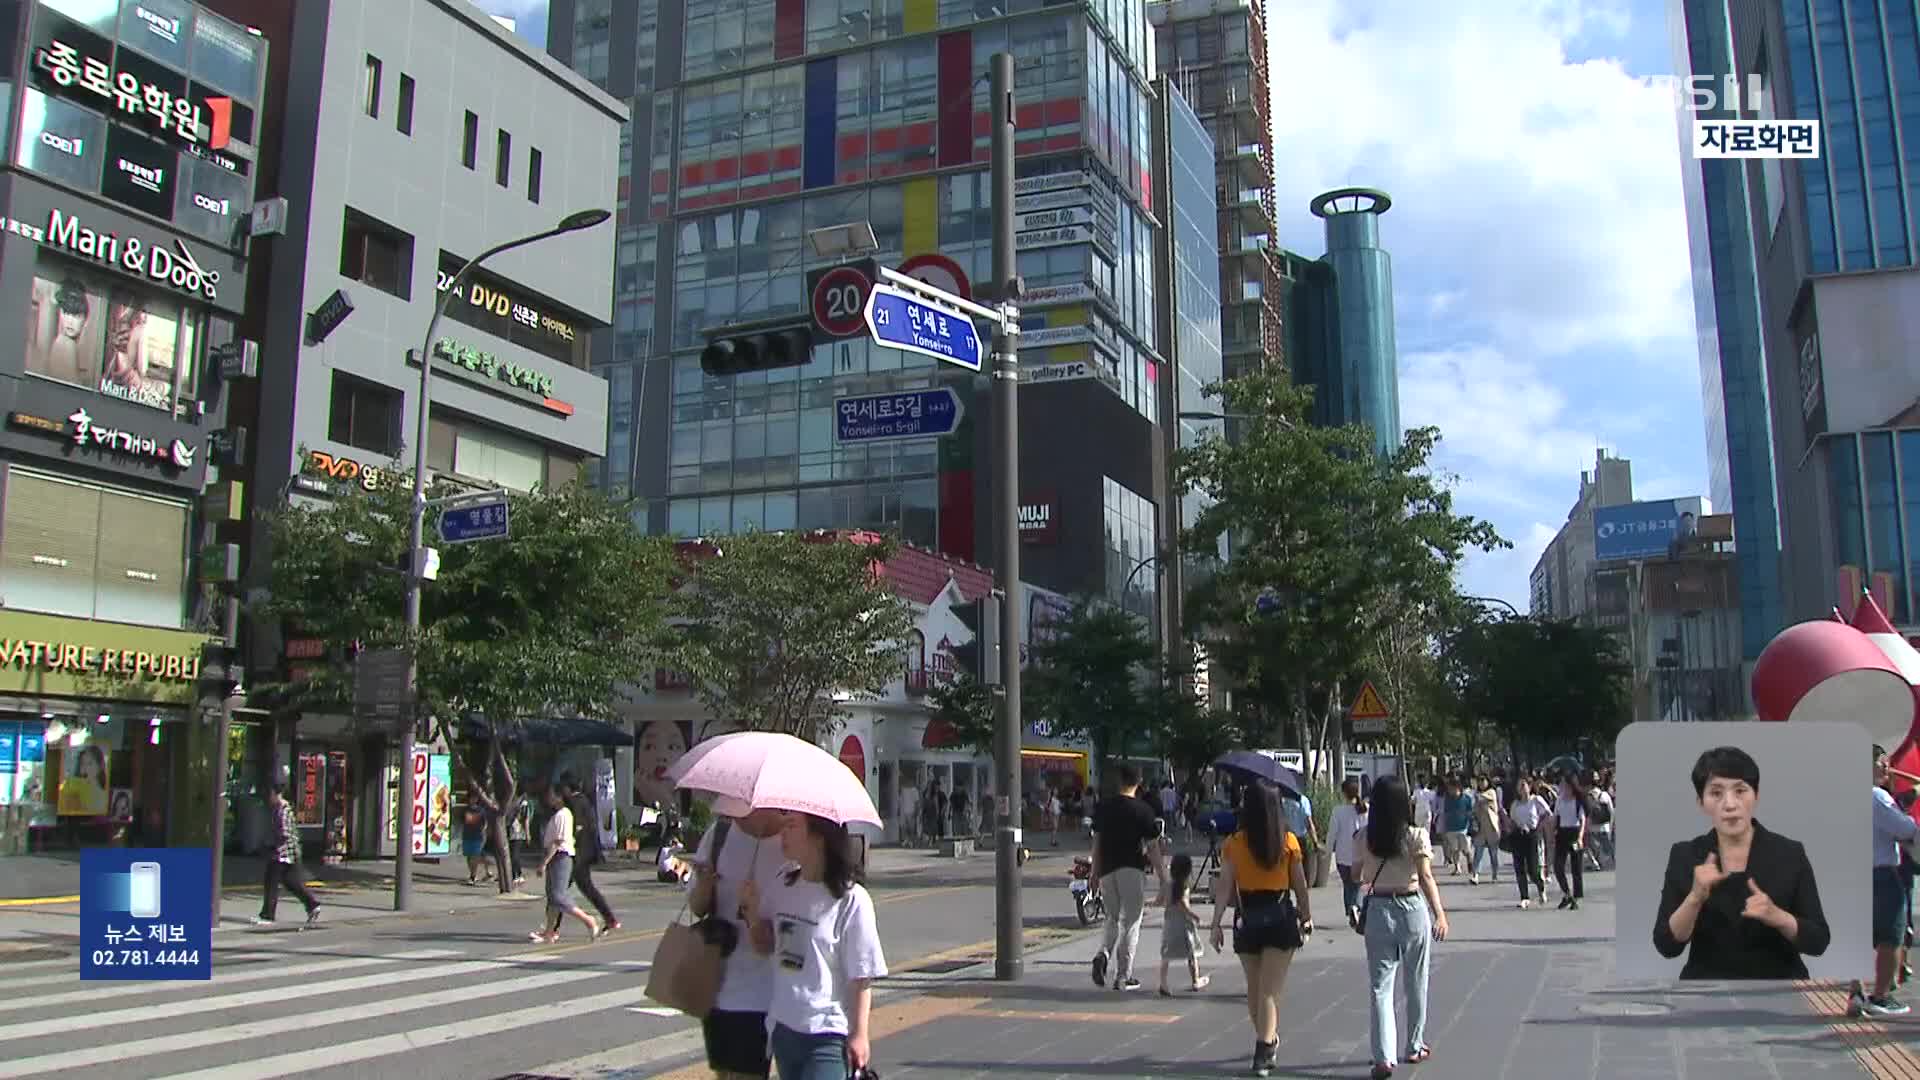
{"points": [[737, 350], [980, 657]]}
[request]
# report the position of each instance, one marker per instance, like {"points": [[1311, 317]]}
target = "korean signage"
{"points": [[1053, 219], [495, 373], [1030, 185], [143, 914], [1039, 518], [1054, 237], [174, 267], [74, 68], [1638, 530], [345, 470], [487, 303], [306, 799], [175, 453]]}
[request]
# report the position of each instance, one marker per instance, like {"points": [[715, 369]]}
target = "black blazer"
{"points": [[1728, 945]]}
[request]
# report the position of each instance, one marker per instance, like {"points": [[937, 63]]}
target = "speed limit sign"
{"points": [[838, 297]]}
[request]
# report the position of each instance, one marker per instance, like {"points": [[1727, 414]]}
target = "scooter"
{"points": [[1086, 904]]}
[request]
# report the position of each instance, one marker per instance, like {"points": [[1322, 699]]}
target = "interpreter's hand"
{"points": [[1440, 927], [1219, 939], [1760, 906], [859, 1053], [1707, 875]]}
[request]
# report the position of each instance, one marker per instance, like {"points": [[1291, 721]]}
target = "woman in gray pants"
{"points": [[1403, 918], [557, 867]]}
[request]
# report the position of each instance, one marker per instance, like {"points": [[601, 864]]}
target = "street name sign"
{"points": [[900, 320], [475, 521], [907, 414]]}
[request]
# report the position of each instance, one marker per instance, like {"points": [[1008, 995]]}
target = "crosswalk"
{"points": [[348, 1010]]}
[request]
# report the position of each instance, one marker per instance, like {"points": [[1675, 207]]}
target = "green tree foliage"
{"points": [[1187, 730], [1089, 679], [778, 630], [558, 619], [1542, 683], [966, 713], [1330, 530]]}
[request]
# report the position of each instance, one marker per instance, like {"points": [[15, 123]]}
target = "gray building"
{"points": [[414, 136]]}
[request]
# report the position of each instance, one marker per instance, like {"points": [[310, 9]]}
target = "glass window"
{"points": [[96, 332], [92, 553], [1910, 498], [226, 56], [1888, 549], [1848, 517], [496, 457], [683, 518], [142, 561]]}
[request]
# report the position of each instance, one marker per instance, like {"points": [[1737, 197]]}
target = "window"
{"points": [[502, 157], [97, 332], [403, 110], [376, 254], [499, 458], [371, 100], [533, 176], [364, 415], [92, 552], [470, 142]]}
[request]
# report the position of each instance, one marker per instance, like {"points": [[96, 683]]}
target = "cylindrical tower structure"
{"points": [[1366, 376]]}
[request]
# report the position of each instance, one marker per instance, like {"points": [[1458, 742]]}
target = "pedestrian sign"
{"points": [[1368, 705]]}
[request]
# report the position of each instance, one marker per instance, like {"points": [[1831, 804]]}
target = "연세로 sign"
{"points": [[900, 321], [146, 914], [908, 414]]}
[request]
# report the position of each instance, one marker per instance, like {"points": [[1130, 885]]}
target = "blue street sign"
{"points": [[899, 320], [481, 521], [909, 414]]}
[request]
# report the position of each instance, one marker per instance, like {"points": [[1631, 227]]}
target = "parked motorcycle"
{"points": [[1086, 904]]}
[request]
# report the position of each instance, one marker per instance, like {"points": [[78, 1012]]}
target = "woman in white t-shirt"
{"points": [[1341, 827], [557, 867], [817, 923], [1526, 815]]}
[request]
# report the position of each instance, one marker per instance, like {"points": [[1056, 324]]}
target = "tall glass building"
{"points": [[1340, 334], [1720, 208], [757, 122]]}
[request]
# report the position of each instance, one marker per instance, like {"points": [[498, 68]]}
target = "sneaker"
{"points": [[1100, 970], [1886, 1006], [262, 920], [1263, 1058], [1473, 879], [1165, 993], [1202, 983], [1574, 904], [313, 915], [1565, 902], [1126, 986], [1856, 1004], [1525, 904]]}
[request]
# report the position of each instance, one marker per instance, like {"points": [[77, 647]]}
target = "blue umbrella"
{"points": [[1254, 765]]}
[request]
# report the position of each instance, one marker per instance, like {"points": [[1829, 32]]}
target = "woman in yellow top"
{"points": [[1403, 917], [1263, 879]]}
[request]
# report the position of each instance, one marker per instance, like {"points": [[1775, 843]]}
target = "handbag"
{"points": [[691, 960], [1360, 917]]}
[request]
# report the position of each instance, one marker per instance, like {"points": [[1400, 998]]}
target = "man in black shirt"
{"points": [[586, 846], [1123, 824]]}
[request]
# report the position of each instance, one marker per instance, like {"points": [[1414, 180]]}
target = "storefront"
{"points": [[94, 731]]}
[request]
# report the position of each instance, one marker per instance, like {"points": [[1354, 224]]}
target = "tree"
{"points": [[779, 630], [1402, 660], [1187, 730], [1087, 679], [1543, 683], [1323, 531], [967, 712], [556, 619]]}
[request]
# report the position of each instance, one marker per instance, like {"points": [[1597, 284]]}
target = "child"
{"points": [[1180, 933]]}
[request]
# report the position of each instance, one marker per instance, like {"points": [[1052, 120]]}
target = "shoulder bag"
{"points": [[691, 959], [1360, 919]]}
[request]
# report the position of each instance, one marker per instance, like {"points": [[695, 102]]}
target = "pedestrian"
{"points": [[1344, 824], [1180, 932], [1570, 840], [1123, 828], [557, 869], [473, 844], [1486, 832], [1456, 821], [1893, 836], [934, 814], [283, 867], [1403, 918], [1051, 814], [1526, 815], [1263, 878], [1600, 823], [737, 856], [817, 922], [962, 824], [588, 854], [909, 816]]}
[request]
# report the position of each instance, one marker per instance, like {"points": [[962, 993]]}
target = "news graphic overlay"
{"points": [[1797, 798], [146, 914]]}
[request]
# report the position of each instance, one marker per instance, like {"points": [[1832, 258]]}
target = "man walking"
{"points": [[283, 865], [1123, 825], [1893, 831], [1456, 820], [587, 852], [1486, 832]]}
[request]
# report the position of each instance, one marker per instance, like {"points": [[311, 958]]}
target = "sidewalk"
{"points": [[1513, 994]]}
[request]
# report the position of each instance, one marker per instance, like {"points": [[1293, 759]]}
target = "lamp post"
{"points": [[1249, 417], [1494, 601], [416, 546]]}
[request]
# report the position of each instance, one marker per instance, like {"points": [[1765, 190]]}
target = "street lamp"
{"points": [[1495, 601], [416, 546], [1248, 417]]}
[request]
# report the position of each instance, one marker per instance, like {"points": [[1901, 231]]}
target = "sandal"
{"points": [[1419, 1055]]}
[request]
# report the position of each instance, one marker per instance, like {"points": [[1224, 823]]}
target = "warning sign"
{"points": [[1368, 705]]}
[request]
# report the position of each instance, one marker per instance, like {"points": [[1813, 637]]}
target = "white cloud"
{"points": [[1495, 413]]}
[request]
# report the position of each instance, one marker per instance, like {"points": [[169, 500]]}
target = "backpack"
{"points": [[1598, 812]]}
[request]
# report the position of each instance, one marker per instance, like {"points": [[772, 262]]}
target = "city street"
{"points": [[454, 991]]}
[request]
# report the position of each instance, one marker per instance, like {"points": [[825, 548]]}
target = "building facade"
{"points": [[130, 133], [1215, 51], [752, 139], [1561, 585], [408, 146], [1734, 388], [1835, 240], [1344, 308]]}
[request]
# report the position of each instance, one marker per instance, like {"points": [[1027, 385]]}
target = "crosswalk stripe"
{"points": [[70, 962], [99, 992], [409, 1042], [259, 1029], [72, 972], [169, 1010]]}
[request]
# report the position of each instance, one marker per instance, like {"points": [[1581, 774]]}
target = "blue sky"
{"points": [[1539, 243]]}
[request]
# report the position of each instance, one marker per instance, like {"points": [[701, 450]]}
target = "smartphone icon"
{"points": [[143, 893]]}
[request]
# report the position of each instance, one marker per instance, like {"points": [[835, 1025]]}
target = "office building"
{"points": [[1340, 333], [1835, 239], [1734, 390], [1216, 52], [761, 151], [407, 143], [129, 160], [1561, 585]]}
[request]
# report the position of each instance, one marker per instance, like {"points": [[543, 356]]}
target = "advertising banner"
{"points": [[9, 741], [1638, 530], [439, 804], [417, 774], [146, 914]]}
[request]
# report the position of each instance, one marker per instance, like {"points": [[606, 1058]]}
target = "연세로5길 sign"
{"points": [[146, 914]]}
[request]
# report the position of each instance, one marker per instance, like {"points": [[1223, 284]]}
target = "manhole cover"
{"points": [[1626, 1008]]}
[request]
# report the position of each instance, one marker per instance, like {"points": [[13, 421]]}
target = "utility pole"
{"points": [[1008, 934], [222, 726]]}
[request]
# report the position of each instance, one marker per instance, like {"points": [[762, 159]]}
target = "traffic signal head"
{"points": [[761, 350]]}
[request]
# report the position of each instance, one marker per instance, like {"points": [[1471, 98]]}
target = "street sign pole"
{"points": [[1009, 937]]}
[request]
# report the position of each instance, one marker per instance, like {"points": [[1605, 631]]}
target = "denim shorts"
{"points": [[1892, 898]]}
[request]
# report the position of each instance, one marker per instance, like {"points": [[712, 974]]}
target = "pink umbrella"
{"points": [[769, 771]]}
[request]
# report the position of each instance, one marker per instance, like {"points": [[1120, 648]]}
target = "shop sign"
{"points": [[1054, 237], [497, 308], [122, 91], [1047, 200], [306, 805], [345, 470], [525, 381], [20, 654], [85, 432], [9, 742], [1039, 519], [1029, 185], [128, 254], [1053, 219]]}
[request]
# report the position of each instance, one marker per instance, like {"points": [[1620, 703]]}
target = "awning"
{"points": [[551, 731]]}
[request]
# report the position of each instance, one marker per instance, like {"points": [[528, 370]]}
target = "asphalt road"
{"points": [[437, 995]]}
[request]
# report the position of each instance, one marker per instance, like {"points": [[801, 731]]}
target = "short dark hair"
{"points": [[1727, 763], [1128, 776]]}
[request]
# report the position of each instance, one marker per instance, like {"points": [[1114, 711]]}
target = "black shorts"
{"points": [[1252, 941], [736, 1042]]}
